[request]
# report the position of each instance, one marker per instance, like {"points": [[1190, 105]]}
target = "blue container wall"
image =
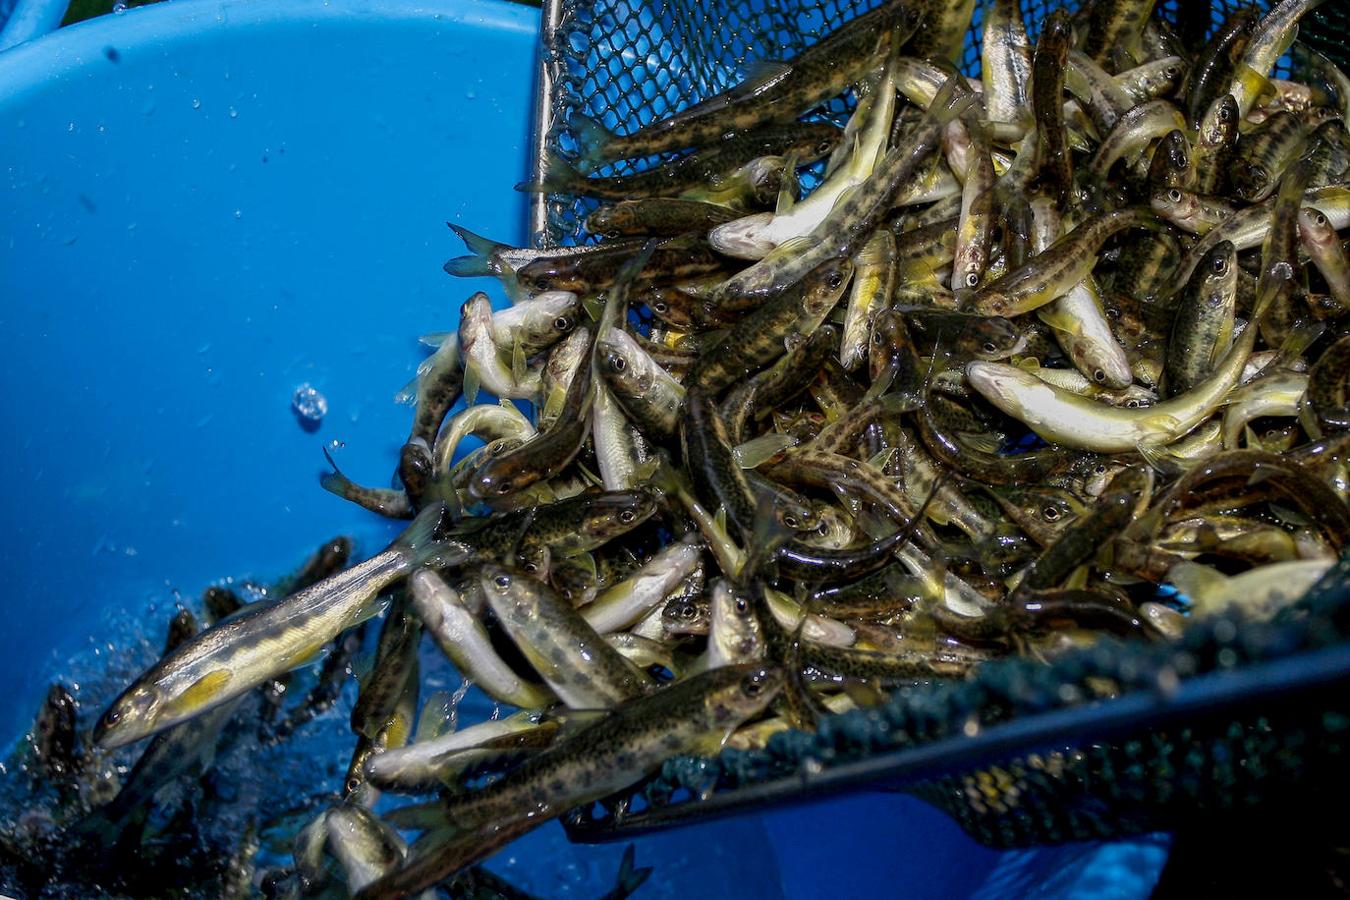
{"points": [[203, 205]]}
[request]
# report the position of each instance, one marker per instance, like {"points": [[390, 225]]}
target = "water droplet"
{"points": [[335, 444], [238, 213], [119, 7], [196, 103], [309, 406], [234, 113], [470, 95]]}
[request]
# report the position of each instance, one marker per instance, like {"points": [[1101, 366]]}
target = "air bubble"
{"points": [[309, 407]]}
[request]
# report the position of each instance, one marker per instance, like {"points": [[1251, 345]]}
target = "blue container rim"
{"points": [[32, 65]]}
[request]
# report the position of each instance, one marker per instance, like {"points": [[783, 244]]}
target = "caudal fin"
{"points": [[629, 878], [419, 540], [595, 140], [558, 177], [482, 262]]}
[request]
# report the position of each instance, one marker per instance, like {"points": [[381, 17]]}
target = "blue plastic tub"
{"points": [[204, 204]]}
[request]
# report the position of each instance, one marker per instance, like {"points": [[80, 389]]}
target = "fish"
{"points": [[773, 91], [237, 654], [623, 604], [701, 711], [571, 657]]}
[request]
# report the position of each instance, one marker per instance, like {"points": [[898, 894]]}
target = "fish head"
{"points": [[1175, 205], [490, 481], [130, 717], [334, 554], [764, 176], [550, 317], [534, 559], [833, 531], [511, 594], [1315, 228], [547, 274], [1219, 271], [816, 140], [733, 625], [795, 515], [1219, 122], [622, 360], [1051, 507], [744, 238], [414, 462], [685, 615], [825, 283], [993, 337], [612, 221], [609, 515], [742, 691], [1004, 386], [1250, 180]]}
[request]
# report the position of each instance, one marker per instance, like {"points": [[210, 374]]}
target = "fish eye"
{"points": [[1320, 219], [618, 364], [823, 530], [530, 567], [877, 338], [990, 347], [742, 607], [1220, 265], [1098, 375], [688, 611], [834, 279], [502, 582], [504, 487], [1131, 404], [1174, 195], [1050, 513], [790, 521], [972, 279], [352, 784], [1225, 114], [1173, 71], [824, 146], [112, 717], [1099, 469], [627, 516], [660, 307], [562, 323]]}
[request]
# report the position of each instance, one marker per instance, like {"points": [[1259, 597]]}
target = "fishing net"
{"points": [[1239, 715], [625, 63]]}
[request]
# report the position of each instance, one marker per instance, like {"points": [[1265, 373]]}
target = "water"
{"points": [[309, 406], [238, 819]]}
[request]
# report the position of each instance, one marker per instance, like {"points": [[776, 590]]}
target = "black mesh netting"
{"points": [[625, 63], [1237, 716]]}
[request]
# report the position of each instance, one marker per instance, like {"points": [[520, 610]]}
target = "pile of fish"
{"points": [[1036, 346]]}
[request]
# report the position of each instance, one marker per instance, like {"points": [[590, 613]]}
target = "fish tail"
{"points": [[481, 262], [419, 540], [335, 482], [558, 177], [439, 854], [629, 878], [594, 139], [952, 99]]}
